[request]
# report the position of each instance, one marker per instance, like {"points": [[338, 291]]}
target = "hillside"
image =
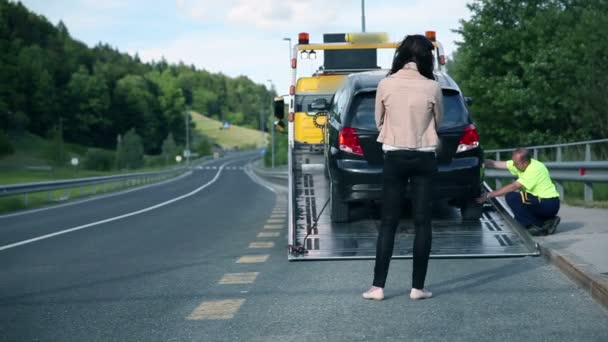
{"points": [[228, 138], [96, 93]]}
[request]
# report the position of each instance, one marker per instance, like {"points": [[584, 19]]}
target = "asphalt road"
{"points": [[204, 259]]}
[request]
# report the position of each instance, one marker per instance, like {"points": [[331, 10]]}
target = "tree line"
{"points": [[51, 82], [537, 70]]}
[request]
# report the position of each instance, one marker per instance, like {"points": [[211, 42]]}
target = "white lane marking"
{"points": [[65, 231], [256, 179], [102, 196], [217, 309]]}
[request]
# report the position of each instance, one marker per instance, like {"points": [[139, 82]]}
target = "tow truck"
{"points": [[311, 233]]}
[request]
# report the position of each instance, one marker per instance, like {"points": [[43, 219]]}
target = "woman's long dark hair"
{"points": [[418, 49]]}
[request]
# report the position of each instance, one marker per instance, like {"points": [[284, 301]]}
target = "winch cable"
{"points": [[298, 250]]}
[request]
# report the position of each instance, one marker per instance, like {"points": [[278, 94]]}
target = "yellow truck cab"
{"points": [[343, 54], [307, 120]]}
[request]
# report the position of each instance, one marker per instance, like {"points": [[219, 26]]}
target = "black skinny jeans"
{"points": [[400, 167]]}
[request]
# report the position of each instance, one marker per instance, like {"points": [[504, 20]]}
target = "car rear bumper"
{"points": [[357, 180]]}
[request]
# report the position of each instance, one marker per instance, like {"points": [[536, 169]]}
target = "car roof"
{"points": [[369, 80]]}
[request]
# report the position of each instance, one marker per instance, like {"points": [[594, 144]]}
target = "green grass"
{"points": [[29, 163], [235, 136]]}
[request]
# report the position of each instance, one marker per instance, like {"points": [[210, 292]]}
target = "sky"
{"points": [[245, 37]]}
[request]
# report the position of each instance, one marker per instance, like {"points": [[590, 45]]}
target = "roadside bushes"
{"points": [[280, 152], [99, 160], [130, 151], [5, 145]]}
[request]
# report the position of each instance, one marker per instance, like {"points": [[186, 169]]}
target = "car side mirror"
{"points": [[468, 100], [318, 105], [279, 108]]}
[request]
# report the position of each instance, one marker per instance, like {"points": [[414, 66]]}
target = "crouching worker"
{"points": [[533, 197]]}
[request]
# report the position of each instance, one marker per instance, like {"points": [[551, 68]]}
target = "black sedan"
{"points": [[354, 158]]}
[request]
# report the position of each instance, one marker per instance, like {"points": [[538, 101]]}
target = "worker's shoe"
{"points": [[551, 224], [536, 230], [417, 294], [375, 293]]}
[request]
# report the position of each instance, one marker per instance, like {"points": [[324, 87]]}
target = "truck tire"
{"points": [[471, 210], [339, 208]]}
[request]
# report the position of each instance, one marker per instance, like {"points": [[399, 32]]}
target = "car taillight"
{"points": [[349, 141], [469, 139]]}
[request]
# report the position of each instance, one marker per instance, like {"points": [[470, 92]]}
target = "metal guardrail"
{"points": [[17, 189], [115, 181], [587, 171]]}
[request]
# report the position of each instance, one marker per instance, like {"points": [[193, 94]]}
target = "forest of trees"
{"points": [[537, 70], [50, 82]]}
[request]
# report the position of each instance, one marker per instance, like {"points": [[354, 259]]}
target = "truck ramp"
{"points": [[494, 235]]}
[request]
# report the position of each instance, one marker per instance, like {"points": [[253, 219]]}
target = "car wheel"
{"points": [[471, 210], [339, 208]]}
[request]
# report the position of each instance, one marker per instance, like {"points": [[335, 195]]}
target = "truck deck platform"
{"points": [[495, 234]]}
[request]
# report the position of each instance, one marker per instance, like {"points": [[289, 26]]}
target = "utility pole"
{"points": [[271, 129], [362, 15], [60, 139], [262, 122], [187, 94], [289, 40], [187, 150]]}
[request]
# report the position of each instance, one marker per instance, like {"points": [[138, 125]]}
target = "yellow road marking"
{"points": [[252, 259], [239, 278], [261, 244], [273, 226], [269, 234], [218, 309]]}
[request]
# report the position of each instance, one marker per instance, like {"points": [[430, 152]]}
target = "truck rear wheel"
{"points": [[339, 208]]}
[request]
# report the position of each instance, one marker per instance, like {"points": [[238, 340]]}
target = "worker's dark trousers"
{"points": [[531, 210], [399, 167]]}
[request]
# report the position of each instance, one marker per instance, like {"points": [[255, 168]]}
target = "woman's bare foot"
{"points": [[416, 294], [375, 293]]}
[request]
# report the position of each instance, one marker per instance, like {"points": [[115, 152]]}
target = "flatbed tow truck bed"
{"points": [[494, 235]]}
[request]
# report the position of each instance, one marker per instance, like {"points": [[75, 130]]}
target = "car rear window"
{"points": [[303, 101], [454, 111], [362, 110]]}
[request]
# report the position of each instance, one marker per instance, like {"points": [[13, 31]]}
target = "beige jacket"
{"points": [[409, 108]]}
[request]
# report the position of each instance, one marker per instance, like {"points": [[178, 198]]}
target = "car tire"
{"points": [[471, 210], [339, 208]]}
